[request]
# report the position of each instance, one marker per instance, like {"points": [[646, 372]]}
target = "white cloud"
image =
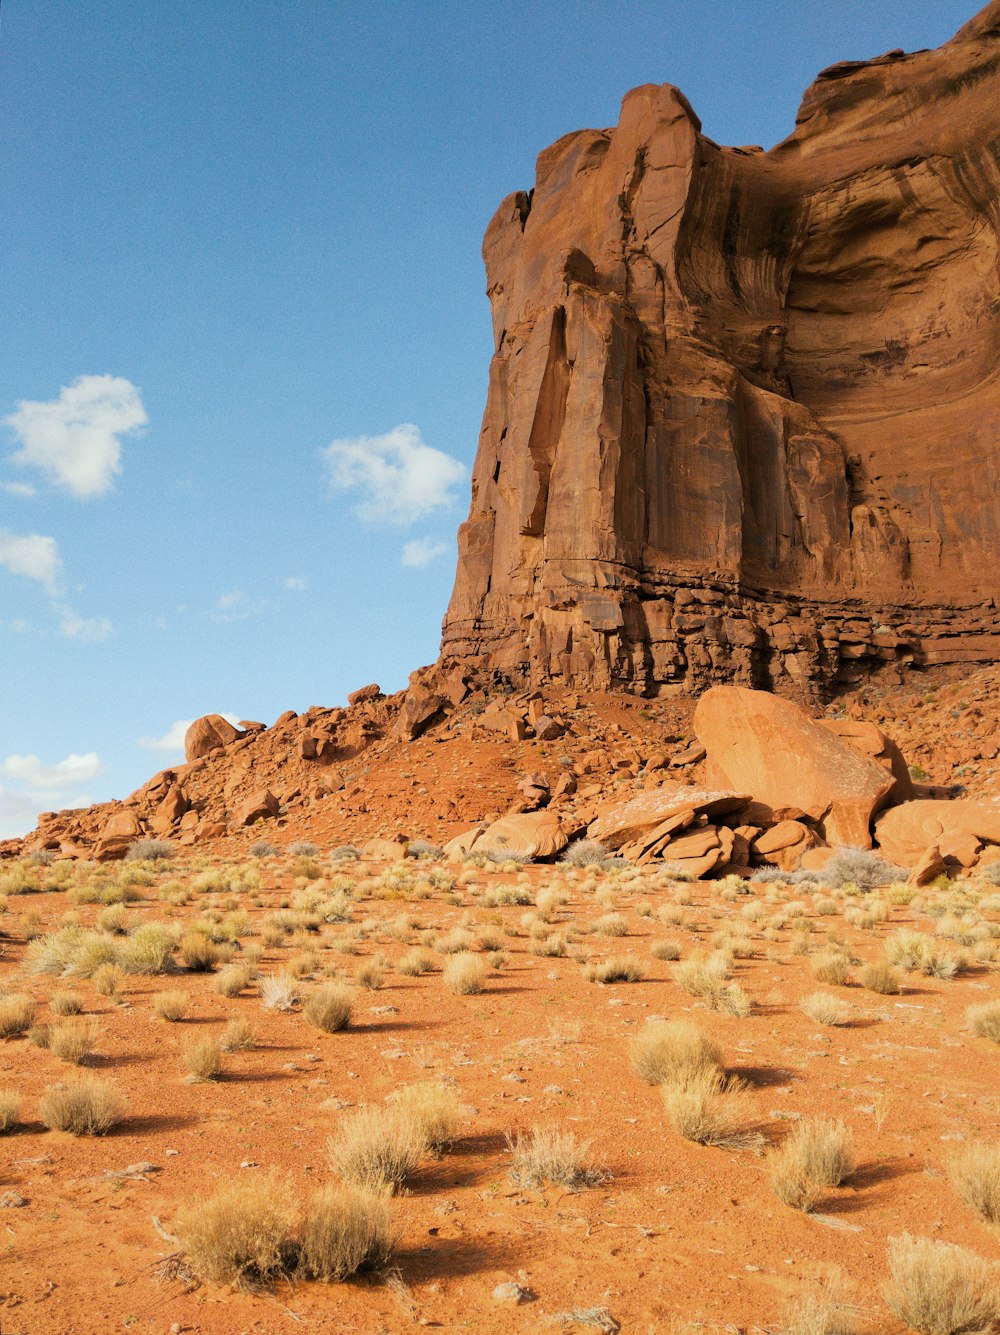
{"points": [[32, 556], [172, 740], [298, 583], [74, 439], [237, 606], [34, 786], [23, 489], [89, 629], [421, 552], [400, 478]]}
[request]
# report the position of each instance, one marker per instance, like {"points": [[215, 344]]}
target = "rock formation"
{"points": [[743, 411]]}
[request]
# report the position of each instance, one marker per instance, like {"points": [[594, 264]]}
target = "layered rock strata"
{"points": [[744, 407]]}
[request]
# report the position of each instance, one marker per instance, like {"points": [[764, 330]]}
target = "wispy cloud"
{"points": [[74, 439], [22, 489], [31, 786], [236, 605], [421, 552], [172, 741], [33, 556], [297, 583], [398, 476], [89, 629]]}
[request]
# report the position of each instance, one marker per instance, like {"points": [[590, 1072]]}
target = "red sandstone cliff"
{"points": [[744, 407]]}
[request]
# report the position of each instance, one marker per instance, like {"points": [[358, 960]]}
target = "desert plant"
{"points": [[825, 1009], [824, 1311], [861, 867], [10, 1109], [198, 952], [881, 977], [149, 850], [941, 1289], [831, 967], [433, 1108], [278, 992], [345, 1230], [170, 1005], [263, 849], [618, 969], [414, 963], [72, 1040], [86, 1106], [708, 1108], [665, 1049], [241, 1234], [329, 1007], [230, 981], [464, 973], [370, 974], [108, 979], [376, 1148], [665, 950], [975, 1175], [816, 1155], [17, 1014], [302, 848], [203, 1058], [550, 1155], [148, 950], [238, 1036], [588, 853], [984, 1019], [66, 1003], [611, 924]]}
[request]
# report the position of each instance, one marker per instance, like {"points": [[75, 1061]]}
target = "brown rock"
{"points": [[773, 749], [903, 833], [928, 868], [733, 392], [116, 835], [540, 834], [386, 850], [308, 746], [258, 806], [208, 733], [868, 740], [364, 694], [548, 729], [170, 810], [784, 844]]}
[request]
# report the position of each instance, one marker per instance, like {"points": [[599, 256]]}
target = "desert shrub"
{"points": [[667, 1049], [708, 1108], [329, 1007], [433, 1108], [665, 950], [881, 977], [821, 1312], [17, 1014], [618, 969], [66, 1003], [423, 850], [278, 992], [170, 1005], [149, 850], [553, 945], [451, 943], [550, 1155], [203, 1058], [263, 849], [241, 1234], [73, 1040], [345, 1230], [113, 919], [414, 963], [914, 950], [86, 1106], [231, 980], [148, 950], [370, 974], [198, 952], [238, 1036], [108, 979], [861, 867], [588, 853], [611, 924], [975, 1175], [825, 1008], [10, 1109], [376, 1148], [464, 973], [302, 848], [344, 853], [984, 1019], [816, 1155], [831, 967], [940, 1289]]}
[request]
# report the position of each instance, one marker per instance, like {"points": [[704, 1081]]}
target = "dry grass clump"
{"points": [[10, 1109], [617, 969], [414, 963], [17, 1015], [329, 1007], [975, 1175], [66, 1003], [376, 1148], [86, 1106], [823, 1312], [707, 980], [825, 1009], [940, 1289], [108, 980], [238, 1036], [170, 1005], [709, 1108], [198, 952], [465, 973], [203, 1058], [550, 1155], [831, 967], [231, 980], [370, 974], [666, 1050], [984, 1020], [816, 1155], [345, 1230], [73, 1040], [240, 1235], [434, 1109], [665, 950], [278, 992], [881, 977], [611, 924]]}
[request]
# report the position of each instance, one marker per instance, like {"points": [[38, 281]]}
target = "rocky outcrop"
{"points": [[208, 733], [743, 407]]}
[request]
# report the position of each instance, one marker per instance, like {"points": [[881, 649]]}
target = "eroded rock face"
{"points": [[743, 408]]}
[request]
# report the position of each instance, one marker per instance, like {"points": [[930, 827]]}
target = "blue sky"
{"points": [[243, 333]]}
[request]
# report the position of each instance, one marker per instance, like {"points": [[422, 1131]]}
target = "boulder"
{"points": [[642, 827], [364, 694], [928, 868], [116, 835], [170, 810], [547, 729], [386, 850], [208, 733], [771, 748], [260, 805], [539, 834], [784, 844], [456, 849], [959, 829], [421, 707], [870, 741]]}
